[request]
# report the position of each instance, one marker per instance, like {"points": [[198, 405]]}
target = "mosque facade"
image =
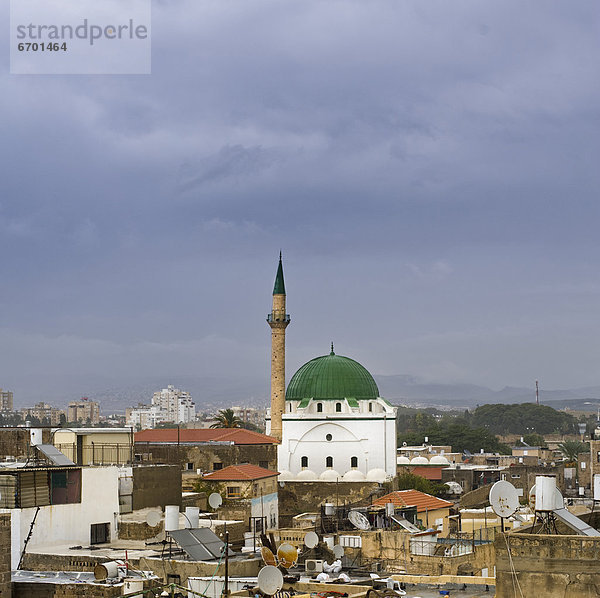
{"points": [[331, 422]]}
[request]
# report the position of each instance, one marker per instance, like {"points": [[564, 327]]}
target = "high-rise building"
{"points": [[84, 410], [43, 411], [177, 405], [6, 400]]}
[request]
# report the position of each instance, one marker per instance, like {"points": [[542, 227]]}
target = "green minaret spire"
{"points": [[279, 288]]}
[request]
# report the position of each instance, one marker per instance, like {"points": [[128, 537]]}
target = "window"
{"points": [[329, 462], [304, 462], [189, 466], [328, 437], [217, 466], [319, 407], [583, 465], [370, 406], [353, 461], [338, 407], [234, 491], [516, 476]]}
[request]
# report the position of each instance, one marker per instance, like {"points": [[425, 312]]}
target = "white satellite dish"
{"points": [[270, 580], [153, 518], [504, 499], [559, 501], [215, 500], [358, 520], [338, 551], [311, 539]]}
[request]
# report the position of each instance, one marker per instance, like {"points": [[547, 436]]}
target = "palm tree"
{"points": [[571, 448], [226, 418]]}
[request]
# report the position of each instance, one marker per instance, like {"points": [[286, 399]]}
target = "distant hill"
{"points": [[410, 391]]}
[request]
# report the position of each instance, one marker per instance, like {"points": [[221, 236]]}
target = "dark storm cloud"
{"points": [[432, 161]]}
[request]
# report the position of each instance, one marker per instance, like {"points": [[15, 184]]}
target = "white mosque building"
{"points": [[331, 421]]}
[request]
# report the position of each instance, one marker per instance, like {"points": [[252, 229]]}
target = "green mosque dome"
{"points": [[332, 377]]}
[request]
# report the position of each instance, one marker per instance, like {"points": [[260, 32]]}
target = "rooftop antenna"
{"points": [[537, 393]]}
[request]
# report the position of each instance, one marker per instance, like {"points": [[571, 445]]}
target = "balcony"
{"points": [[278, 317]]}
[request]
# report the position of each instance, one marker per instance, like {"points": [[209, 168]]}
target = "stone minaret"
{"points": [[278, 321]]}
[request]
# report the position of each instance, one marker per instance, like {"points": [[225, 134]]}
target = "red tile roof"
{"points": [[235, 435], [246, 471], [414, 498], [427, 472]]}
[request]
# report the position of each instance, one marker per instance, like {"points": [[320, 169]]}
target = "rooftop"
{"points": [[233, 435], [413, 498], [245, 472]]}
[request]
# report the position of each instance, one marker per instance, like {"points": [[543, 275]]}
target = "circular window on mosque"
{"points": [[328, 437]]}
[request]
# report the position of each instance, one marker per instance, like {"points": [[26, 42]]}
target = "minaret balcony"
{"points": [[278, 317]]}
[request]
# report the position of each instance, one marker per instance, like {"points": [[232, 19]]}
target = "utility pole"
{"points": [[537, 393]]}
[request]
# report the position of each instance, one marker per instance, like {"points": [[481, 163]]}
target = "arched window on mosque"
{"points": [[329, 462], [370, 406], [338, 407], [304, 462], [319, 407], [353, 462]]}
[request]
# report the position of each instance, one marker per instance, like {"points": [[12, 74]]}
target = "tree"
{"points": [[226, 418], [570, 449], [410, 481]]}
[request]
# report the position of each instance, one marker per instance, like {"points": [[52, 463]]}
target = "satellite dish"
{"points": [[153, 518], [270, 580], [504, 498], [358, 520], [559, 501], [268, 556], [215, 500], [338, 551], [311, 539], [287, 555]]}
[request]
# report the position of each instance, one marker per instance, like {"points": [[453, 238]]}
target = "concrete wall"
{"points": [[549, 566], [70, 523], [304, 497], [156, 486]]}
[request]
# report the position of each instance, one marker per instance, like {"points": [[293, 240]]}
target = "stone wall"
{"points": [[24, 589], [156, 486], [204, 456], [392, 550], [304, 497], [550, 566]]}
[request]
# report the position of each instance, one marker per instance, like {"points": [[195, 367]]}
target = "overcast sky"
{"points": [[430, 170]]}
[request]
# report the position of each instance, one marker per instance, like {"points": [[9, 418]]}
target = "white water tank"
{"points": [[545, 493], [192, 517], [35, 436], [329, 509], [171, 518]]}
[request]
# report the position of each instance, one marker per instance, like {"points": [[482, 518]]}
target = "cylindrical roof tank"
{"points": [[192, 517], [545, 493], [171, 518]]}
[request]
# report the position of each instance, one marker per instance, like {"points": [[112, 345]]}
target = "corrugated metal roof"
{"points": [[246, 471], [414, 498], [235, 435]]}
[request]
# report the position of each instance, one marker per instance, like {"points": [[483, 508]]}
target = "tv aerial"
{"points": [[358, 520], [270, 580], [215, 500], [311, 539], [504, 500]]}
